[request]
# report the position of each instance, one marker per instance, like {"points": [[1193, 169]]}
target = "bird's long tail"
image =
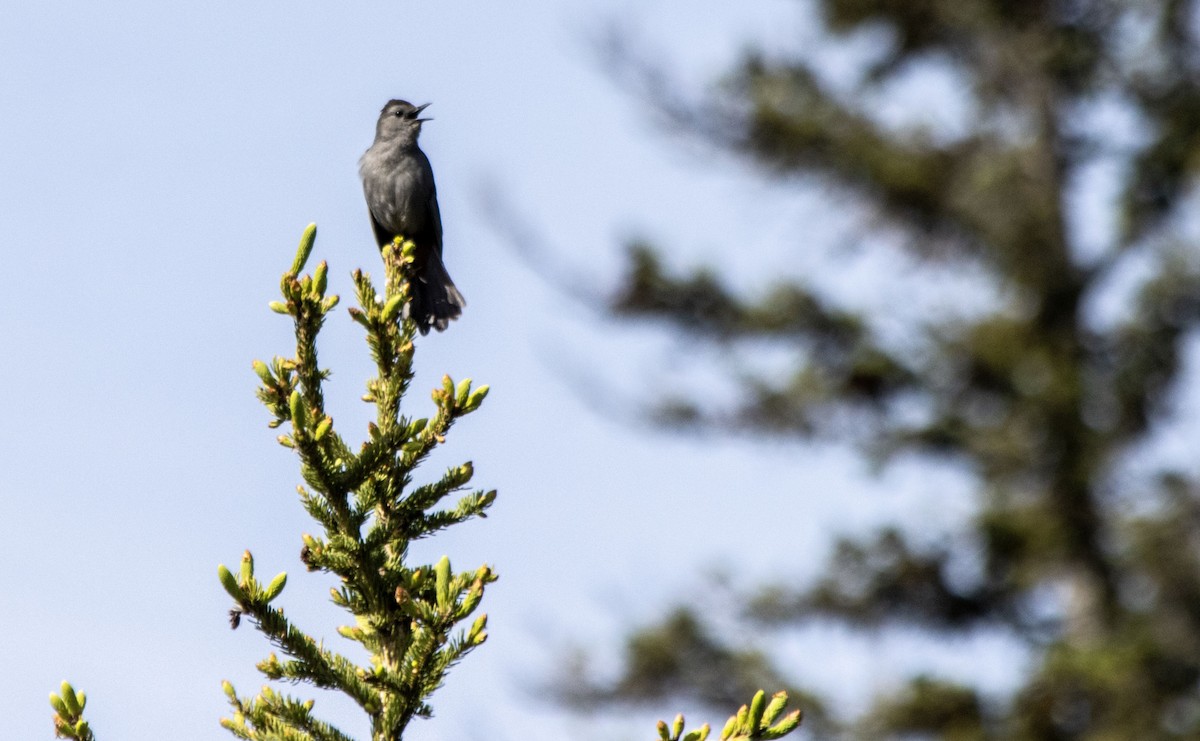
{"points": [[435, 299]]}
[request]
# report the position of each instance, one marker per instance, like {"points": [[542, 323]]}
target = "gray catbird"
{"points": [[402, 199]]}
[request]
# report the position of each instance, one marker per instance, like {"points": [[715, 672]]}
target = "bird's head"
{"points": [[400, 121]]}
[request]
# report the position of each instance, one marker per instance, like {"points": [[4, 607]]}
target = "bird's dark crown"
{"points": [[399, 123], [403, 108]]}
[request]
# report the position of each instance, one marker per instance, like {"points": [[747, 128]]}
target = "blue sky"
{"points": [[158, 162]]}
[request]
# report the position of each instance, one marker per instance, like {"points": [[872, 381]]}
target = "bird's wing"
{"points": [[433, 221], [372, 188], [382, 235]]}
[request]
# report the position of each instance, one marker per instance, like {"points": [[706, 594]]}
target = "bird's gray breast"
{"points": [[398, 189]]}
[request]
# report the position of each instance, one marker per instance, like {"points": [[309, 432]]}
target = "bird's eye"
{"points": [[398, 113]]}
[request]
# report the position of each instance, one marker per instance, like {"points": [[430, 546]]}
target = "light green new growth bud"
{"points": [[230, 584], [477, 627], [247, 569], [730, 726], [408, 249], [285, 441], [69, 699], [755, 715], [275, 587], [471, 601], [392, 307], [460, 393], [264, 372], [298, 410], [279, 307], [775, 707], [81, 729], [699, 734], [305, 285], [789, 723], [323, 428], [662, 731], [442, 572], [677, 727], [59, 706], [351, 632], [448, 387], [328, 304], [321, 278], [486, 501], [477, 398], [228, 688], [305, 249], [308, 704]]}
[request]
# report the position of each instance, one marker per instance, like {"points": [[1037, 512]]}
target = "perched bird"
{"points": [[402, 199]]}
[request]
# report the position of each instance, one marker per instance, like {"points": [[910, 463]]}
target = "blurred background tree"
{"points": [[1050, 383]]}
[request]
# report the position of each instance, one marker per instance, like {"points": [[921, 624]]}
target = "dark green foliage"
{"points": [[405, 615], [1092, 562], [681, 649], [885, 581], [928, 706]]}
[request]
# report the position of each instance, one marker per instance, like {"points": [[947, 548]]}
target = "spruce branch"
{"points": [[405, 616], [758, 721], [68, 714]]}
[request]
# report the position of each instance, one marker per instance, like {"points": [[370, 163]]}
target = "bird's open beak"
{"points": [[421, 108]]}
